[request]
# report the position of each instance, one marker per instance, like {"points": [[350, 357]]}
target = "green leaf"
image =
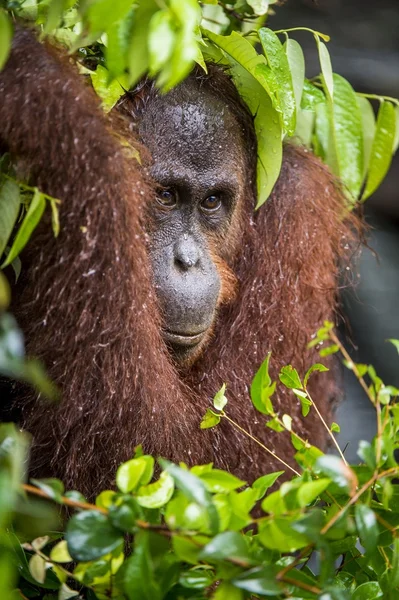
{"points": [[210, 419], [326, 68], [37, 568], [27, 227], [262, 389], [348, 135], [196, 580], [278, 534], [54, 488], [118, 40], [54, 14], [194, 489], [382, 148], [108, 92], [124, 515], [368, 591], [9, 209], [311, 490], [134, 472], [217, 481], [102, 14], [366, 523], [311, 96], [335, 427], [333, 349], [138, 56], [296, 63], [227, 545], [90, 535], [367, 454], [396, 140], [59, 553], [278, 61], [220, 400], [161, 39], [395, 343], [186, 549], [340, 473], [260, 7], [275, 425], [290, 378], [262, 484], [5, 293], [6, 32], [368, 124], [255, 91], [316, 367], [137, 574], [156, 494], [261, 580], [226, 591]]}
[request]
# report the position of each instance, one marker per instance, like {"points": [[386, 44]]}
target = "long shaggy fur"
{"points": [[88, 310]]}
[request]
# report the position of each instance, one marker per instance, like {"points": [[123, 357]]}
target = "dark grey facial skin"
{"points": [[197, 163]]}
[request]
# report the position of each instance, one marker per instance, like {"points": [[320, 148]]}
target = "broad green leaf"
{"points": [[340, 473], [186, 549], [90, 535], [134, 472], [311, 96], [54, 488], [367, 526], [368, 124], [296, 63], [124, 515], [326, 68], [37, 568], [368, 591], [54, 14], [5, 293], [308, 492], [305, 126], [10, 204], [29, 223], [252, 87], [226, 591], [6, 32], [333, 349], [260, 7], [138, 57], [260, 580], [108, 92], [187, 17], [102, 14], [381, 150], [275, 425], [137, 573], [278, 534], [395, 343], [262, 389], [220, 400], [156, 494], [210, 419], [394, 575], [118, 40], [335, 427], [161, 39], [196, 579], [367, 454], [194, 489], [290, 378], [217, 481], [348, 135], [278, 61], [316, 367], [59, 553], [396, 140], [226, 545], [262, 484]]}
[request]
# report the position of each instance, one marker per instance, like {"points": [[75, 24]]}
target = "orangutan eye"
{"points": [[211, 204], [166, 198]]}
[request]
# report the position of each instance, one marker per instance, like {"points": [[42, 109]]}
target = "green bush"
{"points": [[329, 531]]}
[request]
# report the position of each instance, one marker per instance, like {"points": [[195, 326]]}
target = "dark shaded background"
{"points": [[364, 48]]}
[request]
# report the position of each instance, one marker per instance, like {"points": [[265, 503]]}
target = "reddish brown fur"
{"points": [[88, 310]]}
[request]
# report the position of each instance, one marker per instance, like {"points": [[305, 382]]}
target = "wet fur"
{"points": [[87, 308]]}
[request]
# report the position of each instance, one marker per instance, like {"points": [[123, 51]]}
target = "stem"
{"points": [[356, 497], [345, 354], [325, 37], [377, 97], [330, 433], [254, 439], [66, 501]]}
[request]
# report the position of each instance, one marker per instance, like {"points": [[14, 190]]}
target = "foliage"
{"points": [[329, 531]]}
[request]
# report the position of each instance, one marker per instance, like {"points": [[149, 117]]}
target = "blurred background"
{"points": [[364, 48]]}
